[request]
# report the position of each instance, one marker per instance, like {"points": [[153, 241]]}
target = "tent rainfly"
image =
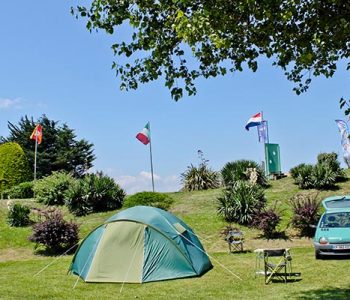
{"points": [[140, 244]]}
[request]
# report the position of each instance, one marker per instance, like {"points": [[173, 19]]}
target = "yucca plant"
{"points": [[201, 177], [302, 175], [94, 193], [240, 202], [323, 177], [306, 212], [18, 215], [243, 170]]}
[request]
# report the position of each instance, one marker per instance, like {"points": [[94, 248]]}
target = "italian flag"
{"points": [[144, 136]]}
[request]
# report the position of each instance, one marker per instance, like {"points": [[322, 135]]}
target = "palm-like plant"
{"points": [[240, 202], [201, 177], [243, 170]]}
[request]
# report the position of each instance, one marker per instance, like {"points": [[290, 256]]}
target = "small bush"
{"points": [[50, 190], [23, 190], [305, 209], [331, 160], [323, 177], [201, 177], [302, 175], [94, 193], [55, 233], [267, 220], [240, 202], [243, 170], [154, 199], [18, 215]]}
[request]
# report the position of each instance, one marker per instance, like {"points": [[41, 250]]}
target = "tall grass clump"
{"points": [[201, 177], [306, 212], [18, 215]]}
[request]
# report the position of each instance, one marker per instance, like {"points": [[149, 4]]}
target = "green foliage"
{"points": [[94, 193], [324, 175], [23, 190], [240, 202], [201, 177], [154, 199], [302, 175], [306, 212], [59, 150], [331, 161], [51, 190], [55, 233], [243, 170], [14, 166], [222, 36], [18, 215]]}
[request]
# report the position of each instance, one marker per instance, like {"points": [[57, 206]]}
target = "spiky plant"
{"points": [[243, 170], [240, 202], [201, 177], [306, 212]]}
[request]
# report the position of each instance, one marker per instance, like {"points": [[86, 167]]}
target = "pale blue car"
{"points": [[332, 236]]}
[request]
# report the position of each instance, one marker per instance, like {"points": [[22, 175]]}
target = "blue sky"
{"points": [[50, 64]]}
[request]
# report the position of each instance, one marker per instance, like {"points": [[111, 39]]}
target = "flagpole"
{"points": [[264, 144], [150, 153], [35, 151]]}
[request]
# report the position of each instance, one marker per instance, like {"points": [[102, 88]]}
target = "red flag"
{"points": [[144, 136], [37, 134]]}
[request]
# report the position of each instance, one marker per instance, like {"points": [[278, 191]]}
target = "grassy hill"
{"points": [[320, 279]]}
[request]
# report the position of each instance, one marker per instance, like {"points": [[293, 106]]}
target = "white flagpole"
{"points": [[150, 152], [36, 148], [262, 121]]}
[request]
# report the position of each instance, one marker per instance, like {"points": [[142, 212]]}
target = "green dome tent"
{"points": [[140, 244]]}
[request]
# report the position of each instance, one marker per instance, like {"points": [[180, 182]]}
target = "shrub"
{"points": [[14, 166], [323, 177], [240, 202], [305, 209], [159, 200], [18, 215], [302, 175], [55, 233], [331, 160], [201, 177], [243, 170], [94, 193], [23, 190], [267, 220], [50, 190]]}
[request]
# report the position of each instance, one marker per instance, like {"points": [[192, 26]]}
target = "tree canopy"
{"points": [[59, 150], [306, 38]]}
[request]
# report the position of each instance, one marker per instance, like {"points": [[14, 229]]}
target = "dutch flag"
{"points": [[254, 121]]}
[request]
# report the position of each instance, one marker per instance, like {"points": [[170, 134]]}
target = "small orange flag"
{"points": [[37, 134]]}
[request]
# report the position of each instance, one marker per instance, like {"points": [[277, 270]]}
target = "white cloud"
{"points": [[143, 182], [10, 103]]}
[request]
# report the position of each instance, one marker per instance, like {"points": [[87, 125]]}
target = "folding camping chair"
{"points": [[235, 239], [277, 264]]}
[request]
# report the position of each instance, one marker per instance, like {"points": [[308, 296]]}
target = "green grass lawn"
{"points": [[320, 279]]}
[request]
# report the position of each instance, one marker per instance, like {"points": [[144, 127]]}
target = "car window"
{"points": [[336, 219]]}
